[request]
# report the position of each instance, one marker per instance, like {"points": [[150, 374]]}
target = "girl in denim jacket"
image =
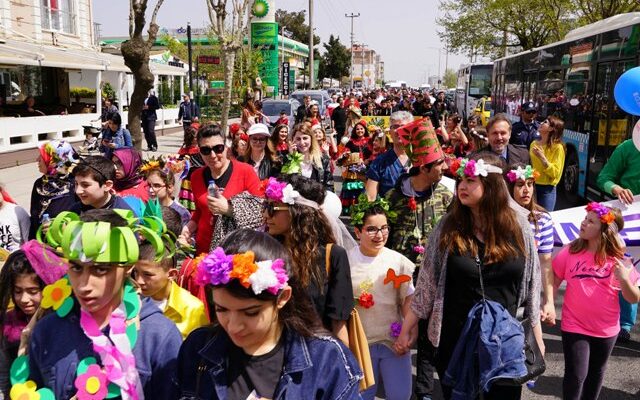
{"points": [[267, 342]]}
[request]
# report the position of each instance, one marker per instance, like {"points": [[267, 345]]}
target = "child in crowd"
{"points": [[267, 341], [159, 174], [377, 143], [20, 285], [157, 281], [14, 225], [190, 147], [282, 119], [102, 338], [383, 289], [128, 181], [90, 143], [596, 270], [94, 177]]}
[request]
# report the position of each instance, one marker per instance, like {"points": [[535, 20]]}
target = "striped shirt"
{"points": [[543, 235]]}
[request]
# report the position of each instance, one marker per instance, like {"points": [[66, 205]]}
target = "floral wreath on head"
{"points": [[471, 168], [359, 209], [285, 193], [604, 213], [218, 268], [165, 164], [522, 174]]}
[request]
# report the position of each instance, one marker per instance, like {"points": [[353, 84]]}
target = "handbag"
{"points": [[358, 343], [534, 361]]}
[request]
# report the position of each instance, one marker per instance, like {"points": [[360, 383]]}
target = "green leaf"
{"points": [[19, 371], [84, 364]]}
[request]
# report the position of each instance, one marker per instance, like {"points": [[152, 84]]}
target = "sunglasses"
{"points": [[271, 209], [206, 150]]}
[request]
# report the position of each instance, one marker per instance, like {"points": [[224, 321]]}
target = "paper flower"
{"points": [[274, 189], [395, 328], [214, 268], [24, 391], [243, 267], [418, 249], [604, 213], [522, 174], [91, 385], [54, 295], [264, 277], [472, 168], [289, 195], [412, 204], [366, 300]]}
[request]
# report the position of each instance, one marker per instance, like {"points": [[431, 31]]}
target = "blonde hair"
{"points": [[610, 242], [315, 152]]}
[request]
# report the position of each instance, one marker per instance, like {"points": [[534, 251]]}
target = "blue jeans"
{"points": [[628, 314], [393, 369], [546, 196]]}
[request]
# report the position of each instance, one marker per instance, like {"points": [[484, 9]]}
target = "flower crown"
{"points": [[218, 268], [285, 193], [359, 209], [604, 213], [522, 174], [165, 164], [471, 168]]}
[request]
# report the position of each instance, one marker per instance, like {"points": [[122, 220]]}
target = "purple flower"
{"points": [[418, 249], [396, 328], [274, 189], [470, 168], [281, 274], [215, 268]]}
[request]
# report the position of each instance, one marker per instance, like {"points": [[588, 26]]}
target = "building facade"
{"points": [[368, 67]]}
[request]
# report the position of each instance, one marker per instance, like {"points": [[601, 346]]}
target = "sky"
{"points": [[404, 32]]}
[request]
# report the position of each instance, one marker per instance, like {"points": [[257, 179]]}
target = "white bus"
{"points": [[474, 83]]}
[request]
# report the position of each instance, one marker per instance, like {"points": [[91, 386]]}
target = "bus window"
{"points": [[551, 93], [512, 91], [480, 81], [575, 106]]}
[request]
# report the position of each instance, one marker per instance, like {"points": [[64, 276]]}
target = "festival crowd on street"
{"points": [[226, 270]]}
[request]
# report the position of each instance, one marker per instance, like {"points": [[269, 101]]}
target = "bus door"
{"points": [[530, 83], [610, 125]]}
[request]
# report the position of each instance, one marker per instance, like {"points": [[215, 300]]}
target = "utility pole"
{"points": [[362, 64], [190, 62], [352, 16], [311, 44]]}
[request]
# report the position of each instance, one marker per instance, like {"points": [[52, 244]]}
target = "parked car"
{"points": [[483, 110], [272, 108], [321, 96]]}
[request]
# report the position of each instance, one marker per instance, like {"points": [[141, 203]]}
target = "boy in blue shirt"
{"points": [[94, 177]]}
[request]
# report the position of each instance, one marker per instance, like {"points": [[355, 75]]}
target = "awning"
{"points": [[23, 53]]}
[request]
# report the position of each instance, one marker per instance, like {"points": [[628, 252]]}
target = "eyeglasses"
{"points": [[271, 209], [157, 186], [206, 150], [373, 230], [257, 139]]}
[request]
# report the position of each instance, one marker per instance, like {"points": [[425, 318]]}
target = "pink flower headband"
{"points": [[218, 268], [284, 192], [604, 213], [471, 168], [522, 174]]}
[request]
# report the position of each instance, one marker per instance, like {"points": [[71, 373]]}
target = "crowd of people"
{"points": [[226, 271]]}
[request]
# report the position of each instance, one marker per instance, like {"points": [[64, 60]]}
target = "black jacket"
{"points": [[267, 168], [188, 111], [153, 104]]}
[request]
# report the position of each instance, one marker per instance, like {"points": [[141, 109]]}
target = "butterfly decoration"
{"points": [[396, 279]]}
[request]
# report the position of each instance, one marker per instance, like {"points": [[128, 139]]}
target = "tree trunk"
{"points": [[229, 57], [136, 56]]}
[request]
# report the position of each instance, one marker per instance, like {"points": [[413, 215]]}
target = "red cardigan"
{"points": [[243, 178]]}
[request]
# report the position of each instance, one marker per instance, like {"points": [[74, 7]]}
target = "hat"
{"points": [[420, 142], [258, 129], [529, 106], [356, 111]]}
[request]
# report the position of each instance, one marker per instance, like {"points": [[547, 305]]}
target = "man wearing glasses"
{"points": [[525, 131]]}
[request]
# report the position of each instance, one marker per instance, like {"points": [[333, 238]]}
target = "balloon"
{"points": [[636, 135], [332, 205], [627, 91]]}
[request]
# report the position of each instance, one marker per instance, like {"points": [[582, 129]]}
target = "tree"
{"points": [[135, 52], [591, 11], [294, 22], [336, 60], [450, 78], [230, 36]]}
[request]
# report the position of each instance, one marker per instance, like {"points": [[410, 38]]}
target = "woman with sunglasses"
{"points": [[547, 157], [260, 155], [292, 215], [230, 177]]}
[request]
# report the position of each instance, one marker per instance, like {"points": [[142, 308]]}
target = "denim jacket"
{"points": [[314, 368], [491, 347]]}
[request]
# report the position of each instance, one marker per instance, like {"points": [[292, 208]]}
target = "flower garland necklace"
{"points": [[118, 376]]}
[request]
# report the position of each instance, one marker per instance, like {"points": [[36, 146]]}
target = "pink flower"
{"points": [[470, 168], [92, 385], [418, 249], [215, 268], [274, 189], [281, 275]]}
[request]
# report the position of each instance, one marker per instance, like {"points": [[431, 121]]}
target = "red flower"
{"points": [[412, 204], [454, 166], [366, 300]]}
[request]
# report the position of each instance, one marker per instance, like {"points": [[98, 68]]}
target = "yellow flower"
{"points": [[55, 294], [24, 391]]}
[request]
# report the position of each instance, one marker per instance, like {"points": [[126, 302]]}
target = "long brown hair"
{"points": [[534, 208], [557, 129], [609, 245], [499, 222], [309, 230]]}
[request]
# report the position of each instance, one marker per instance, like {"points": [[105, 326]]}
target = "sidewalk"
{"points": [[18, 181]]}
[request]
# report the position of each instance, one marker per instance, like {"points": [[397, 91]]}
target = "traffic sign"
{"points": [[217, 84], [285, 78]]}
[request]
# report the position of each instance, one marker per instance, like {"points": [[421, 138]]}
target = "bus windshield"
{"points": [[480, 81]]}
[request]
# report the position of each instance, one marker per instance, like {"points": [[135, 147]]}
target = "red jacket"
{"points": [[243, 178]]}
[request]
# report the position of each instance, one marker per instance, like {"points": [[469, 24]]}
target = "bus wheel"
{"points": [[570, 177]]}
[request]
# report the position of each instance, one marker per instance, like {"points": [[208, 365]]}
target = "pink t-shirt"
{"points": [[591, 300]]}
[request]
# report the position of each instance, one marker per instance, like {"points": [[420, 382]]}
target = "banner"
{"points": [[566, 225], [264, 38]]}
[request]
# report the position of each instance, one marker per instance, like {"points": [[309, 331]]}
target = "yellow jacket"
{"points": [[555, 156], [186, 310]]}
